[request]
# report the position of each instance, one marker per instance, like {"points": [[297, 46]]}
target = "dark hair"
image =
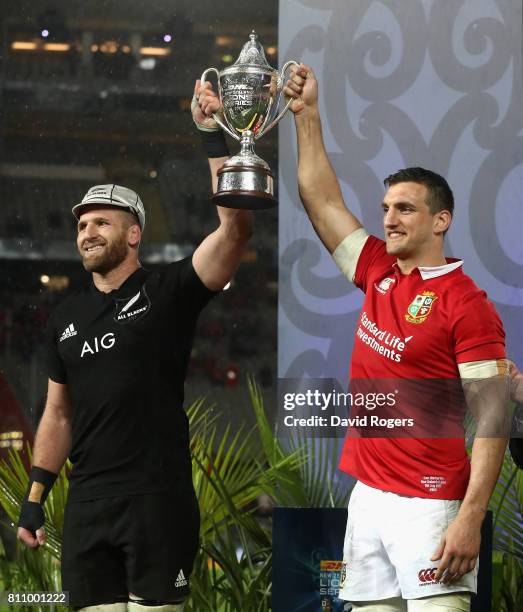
{"points": [[439, 194]]}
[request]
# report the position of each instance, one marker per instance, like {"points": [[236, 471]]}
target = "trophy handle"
{"points": [[289, 102], [215, 116]]}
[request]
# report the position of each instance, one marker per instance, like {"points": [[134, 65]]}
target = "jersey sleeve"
{"points": [[373, 259], [55, 365], [185, 286], [348, 252], [477, 330]]}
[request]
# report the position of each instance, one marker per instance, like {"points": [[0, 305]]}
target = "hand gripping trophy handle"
{"points": [[289, 101], [216, 116]]}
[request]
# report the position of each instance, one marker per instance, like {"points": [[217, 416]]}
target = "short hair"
{"points": [[131, 217], [439, 194]]}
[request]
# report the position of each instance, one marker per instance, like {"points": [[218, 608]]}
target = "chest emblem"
{"points": [[384, 285], [420, 307], [132, 308]]}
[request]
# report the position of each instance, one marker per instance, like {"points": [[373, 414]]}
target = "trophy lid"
{"points": [[253, 53]]}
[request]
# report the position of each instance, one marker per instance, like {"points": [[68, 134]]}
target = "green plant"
{"points": [[33, 570], [233, 568], [507, 595], [506, 504], [232, 571]]}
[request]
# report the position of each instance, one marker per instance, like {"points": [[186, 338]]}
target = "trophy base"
{"points": [[247, 187], [246, 200]]}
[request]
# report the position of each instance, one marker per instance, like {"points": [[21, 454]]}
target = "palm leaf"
{"points": [[507, 506]]}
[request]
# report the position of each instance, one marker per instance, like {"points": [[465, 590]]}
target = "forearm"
{"points": [[215, 163], [486, 461], [218, 256], [317, 180], [53, 442], [235, 225], [318, 185]]}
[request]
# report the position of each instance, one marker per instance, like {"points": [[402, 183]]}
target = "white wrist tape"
{"points": [[210, 124]]}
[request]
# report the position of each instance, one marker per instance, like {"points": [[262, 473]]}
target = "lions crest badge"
{"points": [[420, 307]]}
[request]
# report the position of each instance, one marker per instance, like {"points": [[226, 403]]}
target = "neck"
{"points": [[410, 263], [115, 278]]}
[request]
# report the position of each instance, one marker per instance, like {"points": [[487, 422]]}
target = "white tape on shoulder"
{"points": [[348, 252], [479, 370]]}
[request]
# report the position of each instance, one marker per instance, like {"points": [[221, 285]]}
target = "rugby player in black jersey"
{"points": [[117, 354]]}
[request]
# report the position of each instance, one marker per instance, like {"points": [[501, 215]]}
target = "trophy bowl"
{"points": [[250, 93]]}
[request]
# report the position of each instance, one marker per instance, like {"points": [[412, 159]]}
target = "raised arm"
{"points": [[51, 449], [318, 185], [219, 255]]}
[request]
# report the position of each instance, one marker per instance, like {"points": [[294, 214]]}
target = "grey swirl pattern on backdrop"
{"points": [[435, 83]]}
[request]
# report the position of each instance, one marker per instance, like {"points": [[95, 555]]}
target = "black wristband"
{"points": [[32, 512], [214, 143], [41, 482]]}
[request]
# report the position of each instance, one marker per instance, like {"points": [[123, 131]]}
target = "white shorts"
{"points": [[389, 541]]}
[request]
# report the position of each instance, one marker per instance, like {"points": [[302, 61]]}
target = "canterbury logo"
{"points": [[427, 575], [68, 332], [181, 580]]}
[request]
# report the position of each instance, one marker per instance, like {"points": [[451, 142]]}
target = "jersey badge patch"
{"points": [[420, 307], [133, 308]]}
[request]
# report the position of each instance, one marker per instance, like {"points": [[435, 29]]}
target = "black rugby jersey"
{"points": [[123, 356]]}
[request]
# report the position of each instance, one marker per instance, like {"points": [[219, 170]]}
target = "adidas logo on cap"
{"points": [[181, 580], [68, 332]]}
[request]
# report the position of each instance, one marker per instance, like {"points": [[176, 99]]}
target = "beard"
{"points": [[111, 256]]}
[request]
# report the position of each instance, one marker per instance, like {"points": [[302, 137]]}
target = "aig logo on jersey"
{"points": [[420, 307], [107, 341], [132, 309]]}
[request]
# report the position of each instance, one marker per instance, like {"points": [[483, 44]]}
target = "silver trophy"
{"points": [[250, 92]]}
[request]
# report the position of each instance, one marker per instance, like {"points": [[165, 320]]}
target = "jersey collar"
{"points": [[133, 281], [429, 272]]}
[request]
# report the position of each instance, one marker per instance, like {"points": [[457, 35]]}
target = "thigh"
{"points": [[395, 604], [419, 524], [93, 568], [368, 572], [163, 540], [456, 602]]}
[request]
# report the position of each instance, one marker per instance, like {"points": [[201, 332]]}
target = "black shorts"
{"points": [[144, 544]]}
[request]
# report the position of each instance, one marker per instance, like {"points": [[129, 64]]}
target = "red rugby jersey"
{"points": [[442, 320]]}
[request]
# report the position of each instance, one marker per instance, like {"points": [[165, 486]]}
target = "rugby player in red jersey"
{"points": [[415, 514]]}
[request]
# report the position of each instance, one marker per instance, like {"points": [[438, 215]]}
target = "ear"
{"points": [[442, 220], [134, 235]]}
